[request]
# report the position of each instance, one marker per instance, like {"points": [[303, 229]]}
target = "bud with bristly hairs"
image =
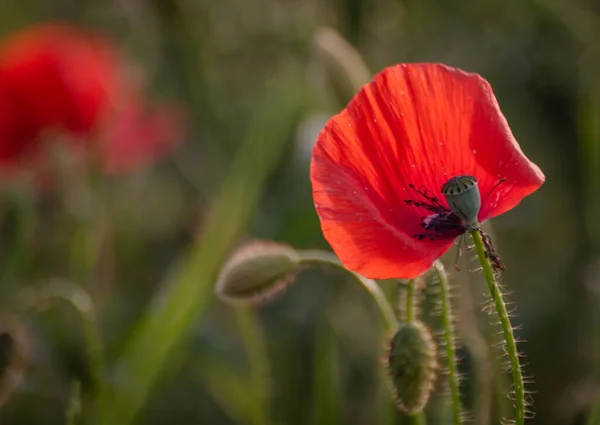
{"points": [[411, 366], [257, 271]]}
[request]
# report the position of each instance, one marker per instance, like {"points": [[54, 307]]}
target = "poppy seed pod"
{"points": [[257, 271], [411, 365], [463, 197]]}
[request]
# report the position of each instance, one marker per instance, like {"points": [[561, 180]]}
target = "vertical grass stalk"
{"points": [[260, 377], [326, 390], [449, 341], [410, 309], [507, 329]]}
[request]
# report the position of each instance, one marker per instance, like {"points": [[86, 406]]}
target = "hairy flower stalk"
{"points": [[449, 341], [260, 270], [411, 360], [413, 289], [312, 257], [408, 304], [507, 329]]}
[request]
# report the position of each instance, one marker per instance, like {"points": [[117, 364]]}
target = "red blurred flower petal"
{"points": [[56, 78], [418, 124], [65, 77]]}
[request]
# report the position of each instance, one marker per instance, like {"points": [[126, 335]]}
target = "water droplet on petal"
{"points": [[474, 151]]}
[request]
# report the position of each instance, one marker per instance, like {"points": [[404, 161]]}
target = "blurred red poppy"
{"points": [[378, 165], [56, 79]]}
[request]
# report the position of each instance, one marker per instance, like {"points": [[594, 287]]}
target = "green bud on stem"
{"points": [[411, 366], [257, 271]]}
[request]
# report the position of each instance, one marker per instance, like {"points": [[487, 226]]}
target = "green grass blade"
{"points": [[183, 297], [327, 391]]}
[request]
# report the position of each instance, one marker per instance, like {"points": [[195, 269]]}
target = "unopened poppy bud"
{"points": [[411, 365], [257, 271]]}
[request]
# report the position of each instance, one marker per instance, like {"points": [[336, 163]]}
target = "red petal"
{"points": [[56, 77], [64, 75], [419, 124]]}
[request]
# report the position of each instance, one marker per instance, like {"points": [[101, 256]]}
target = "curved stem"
{"points": [[509, 338], [324, 257], [80, 300], [449, 341]]}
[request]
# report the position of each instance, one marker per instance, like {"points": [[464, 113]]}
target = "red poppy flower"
{"points": [[59, 79], [378, 167]]}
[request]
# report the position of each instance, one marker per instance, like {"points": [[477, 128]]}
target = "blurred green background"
{"points": [[265, 75]]}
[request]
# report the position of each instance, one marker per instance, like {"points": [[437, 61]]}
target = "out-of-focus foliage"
{"points": [[118, 237]]}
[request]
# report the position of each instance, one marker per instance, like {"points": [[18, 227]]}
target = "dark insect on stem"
{"points": [[490, 252]]}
